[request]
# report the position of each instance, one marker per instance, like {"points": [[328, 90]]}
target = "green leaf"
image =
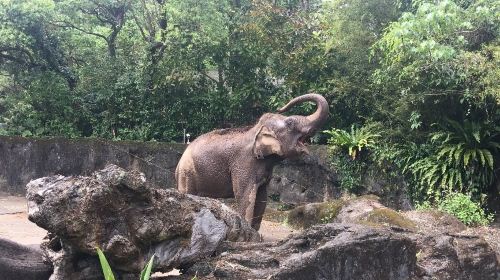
{"points": [[477, 136], [489, 158], [481, 157], [467, 155], [106, 269], [146, 272]]}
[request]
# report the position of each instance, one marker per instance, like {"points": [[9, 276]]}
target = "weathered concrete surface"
{"points": [[387, 246], [130, 221], [26, 159], [446, 248], [455, 256]]}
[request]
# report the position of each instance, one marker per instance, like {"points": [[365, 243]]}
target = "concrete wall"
{"points": [[23, 159]]}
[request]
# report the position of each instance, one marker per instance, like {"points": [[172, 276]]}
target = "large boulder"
{"points": [[331, 251], [130, 221], [455, 256], [305, 179], [446, 248], [366, 210], [353, 251]]}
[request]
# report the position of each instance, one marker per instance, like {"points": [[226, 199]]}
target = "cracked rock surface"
{"points": [[130, 221]]}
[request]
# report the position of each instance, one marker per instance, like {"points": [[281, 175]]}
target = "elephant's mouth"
{"points": [[304, 140]]}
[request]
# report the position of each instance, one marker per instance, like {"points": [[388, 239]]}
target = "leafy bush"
{"points": [[350, 171], [466, 210], [108, 273], [457, 158]]}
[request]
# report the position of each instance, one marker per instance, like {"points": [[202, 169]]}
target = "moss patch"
{"points": [[314, 213], [274, 215], [330, 210], [388, 217]]}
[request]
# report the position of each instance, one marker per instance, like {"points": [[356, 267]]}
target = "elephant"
{"points": [[238, 162]]}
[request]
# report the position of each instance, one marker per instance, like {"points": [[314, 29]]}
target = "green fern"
{"points": [[470, 144], [459, 158], [354, 141], [463, 160]]}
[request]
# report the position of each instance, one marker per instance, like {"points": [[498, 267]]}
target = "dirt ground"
{"points": [[15, 226]]}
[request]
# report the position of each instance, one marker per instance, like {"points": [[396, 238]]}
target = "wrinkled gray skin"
{"points": [[238, 162]]}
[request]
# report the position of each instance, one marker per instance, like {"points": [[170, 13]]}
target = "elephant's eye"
{"points": [[290, 123]]}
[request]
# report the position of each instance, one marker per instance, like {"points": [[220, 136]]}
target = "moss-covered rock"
{"points": [[366, 210], [387, 217], [315, 213], [356, 208]]}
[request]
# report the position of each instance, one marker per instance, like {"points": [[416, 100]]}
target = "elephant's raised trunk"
{"points": [[317, 118]]}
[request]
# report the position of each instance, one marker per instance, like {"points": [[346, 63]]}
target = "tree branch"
{"points": [[70, 25]]}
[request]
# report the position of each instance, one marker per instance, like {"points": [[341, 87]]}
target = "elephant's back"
{"points": [[204, 168]]}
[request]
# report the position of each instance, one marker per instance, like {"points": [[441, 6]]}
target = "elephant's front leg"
{"points": [[260, 206], [249, 196]]}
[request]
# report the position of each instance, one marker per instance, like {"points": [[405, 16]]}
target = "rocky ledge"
{"points": [[130, 221]]}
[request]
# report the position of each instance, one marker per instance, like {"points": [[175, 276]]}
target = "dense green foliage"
{"points": [[467, 211], [425, 72], [463, 208]]}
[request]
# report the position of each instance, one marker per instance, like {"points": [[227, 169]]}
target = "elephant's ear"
{"points": [[266, 143]]}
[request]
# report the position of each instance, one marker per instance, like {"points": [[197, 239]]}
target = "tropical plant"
{"points": [[463, 159], [347, 149], [472, 144], [108, 273], [354, 141]]}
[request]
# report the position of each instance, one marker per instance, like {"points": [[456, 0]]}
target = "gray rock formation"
{"points": [[306, 179], [444, 248], [332, 251], [129, 220], [120, 213], [455, 256], [348, 251]]}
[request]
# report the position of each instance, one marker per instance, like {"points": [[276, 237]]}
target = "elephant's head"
{"points": [[284, 136]]}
